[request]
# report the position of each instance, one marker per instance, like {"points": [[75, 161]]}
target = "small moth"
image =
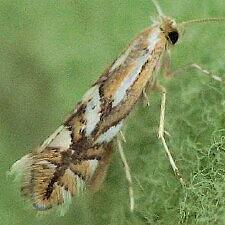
{"points": [[78, 153]]}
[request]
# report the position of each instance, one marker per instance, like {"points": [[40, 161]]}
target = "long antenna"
{"points": [[204, 20], [159, 10]]}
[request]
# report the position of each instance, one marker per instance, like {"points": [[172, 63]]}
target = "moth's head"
{"points": [[172, 30], [169, 27]]}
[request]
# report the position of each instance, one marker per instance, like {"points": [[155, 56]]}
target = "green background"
{"points": [[50, 54]]}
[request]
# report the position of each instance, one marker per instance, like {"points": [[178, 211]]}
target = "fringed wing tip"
{"points": [[21, 168], [40, 184], [48, 182], [61, 209]]}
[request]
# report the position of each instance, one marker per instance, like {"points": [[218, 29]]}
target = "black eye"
{"points": [[173, 36]]}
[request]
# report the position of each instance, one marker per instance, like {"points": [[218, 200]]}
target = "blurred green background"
{"points": [[50, 54]]}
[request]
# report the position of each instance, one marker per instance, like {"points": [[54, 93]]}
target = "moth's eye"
{"points": [[173, 36]]}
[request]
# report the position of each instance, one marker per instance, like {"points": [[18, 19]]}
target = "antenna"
{"points": [[204, 20], [159, 10]]}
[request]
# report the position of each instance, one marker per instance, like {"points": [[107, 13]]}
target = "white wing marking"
{"points": [[109, 134], [93, 108], [62, 140], [129, 80]]}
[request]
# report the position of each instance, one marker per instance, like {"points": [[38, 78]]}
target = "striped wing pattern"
{"points": [[78, 152]]}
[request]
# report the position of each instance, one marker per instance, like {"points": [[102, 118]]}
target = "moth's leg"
{"points": [[123, 137], [101, 171], [167, 71], [205, 72], [145, 97], [127, 172], [166, 64], [162, 131]]}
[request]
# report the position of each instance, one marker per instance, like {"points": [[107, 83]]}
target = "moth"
{"points": [[78, 153]]}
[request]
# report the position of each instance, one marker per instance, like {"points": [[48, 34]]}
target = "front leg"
{"points": [[161, 134], [127, 171], [169, 73]]}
